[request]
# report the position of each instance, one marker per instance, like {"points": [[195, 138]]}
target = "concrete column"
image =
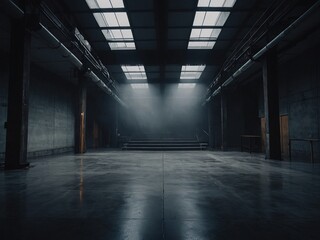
{"points": [[18, 97], [224, 119], [81, 116], [271, 106], [210, 125]]}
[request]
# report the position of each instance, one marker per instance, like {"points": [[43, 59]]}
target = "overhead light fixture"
{"points": [[136, 72], [139, 85], [186, 85], [191, 71]]}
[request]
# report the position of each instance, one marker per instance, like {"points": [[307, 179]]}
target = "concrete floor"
{"points": [[161, 195]]}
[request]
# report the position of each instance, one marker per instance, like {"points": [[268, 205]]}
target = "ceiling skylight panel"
{"points": [[191, 71], [94, 4], [135, 75], [211, 18], [110, 19], [118, 34], [116, 3], [123, 20], [204, 34], [201, 45], [138, 68], [193, 68], [134, 72], [216, 3], [122, 45], [199, 18]]}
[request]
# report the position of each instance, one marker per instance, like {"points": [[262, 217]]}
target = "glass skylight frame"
{"points": [[134, 72], [120, 37], [202, 36], [191, 72], [216, 3], [96, 4]]}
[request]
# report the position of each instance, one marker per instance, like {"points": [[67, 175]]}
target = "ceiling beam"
{"points": [[151, 57]]}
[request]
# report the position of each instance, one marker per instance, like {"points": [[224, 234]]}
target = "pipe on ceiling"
{"points": [[264, 50], [65, 52]]}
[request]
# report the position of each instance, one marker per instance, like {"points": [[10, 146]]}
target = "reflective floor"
{"points": [[160, 195]]}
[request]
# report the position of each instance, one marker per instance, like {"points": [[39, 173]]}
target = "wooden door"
{"points": [[284, 135], [263, 134]]}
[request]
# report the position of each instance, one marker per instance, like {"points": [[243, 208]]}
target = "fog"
{"points": [[168, 113]]}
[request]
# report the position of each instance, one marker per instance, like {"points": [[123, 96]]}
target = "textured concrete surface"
{"points": [[160, 195]]}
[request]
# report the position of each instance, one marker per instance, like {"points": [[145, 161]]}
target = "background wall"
{"points": [[168, 113]]}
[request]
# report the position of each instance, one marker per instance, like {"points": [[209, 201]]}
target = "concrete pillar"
{"points": [[210, 125], [18, 97], [81, 116], [271, 106], [224, 119]]}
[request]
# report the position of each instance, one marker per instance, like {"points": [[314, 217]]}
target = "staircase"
{"points": [[164, 144]]}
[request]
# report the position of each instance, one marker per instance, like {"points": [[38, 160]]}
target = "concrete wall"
{"points": [[51, 113], [167, 113], [4, 69]]}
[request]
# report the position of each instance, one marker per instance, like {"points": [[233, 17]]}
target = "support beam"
{"points": [[18, 97], [80, 131], [224, 119], [271, 106]]}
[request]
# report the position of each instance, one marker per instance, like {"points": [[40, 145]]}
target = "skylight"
{"points": [[112, 19], [204, 34], [208, 18], [216, 3], [119, 39], [94, 4], [191, 71], [134, 72], [139, 85], [201, 45], [204, 38], [186, 85], [118, 34], [122, 45]]}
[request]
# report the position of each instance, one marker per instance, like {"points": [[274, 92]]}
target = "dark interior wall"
{"points": [[4, 76], [300, 98], [216, 122], [171, 113], [101, 120], [235, 118], [51, 114]]}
